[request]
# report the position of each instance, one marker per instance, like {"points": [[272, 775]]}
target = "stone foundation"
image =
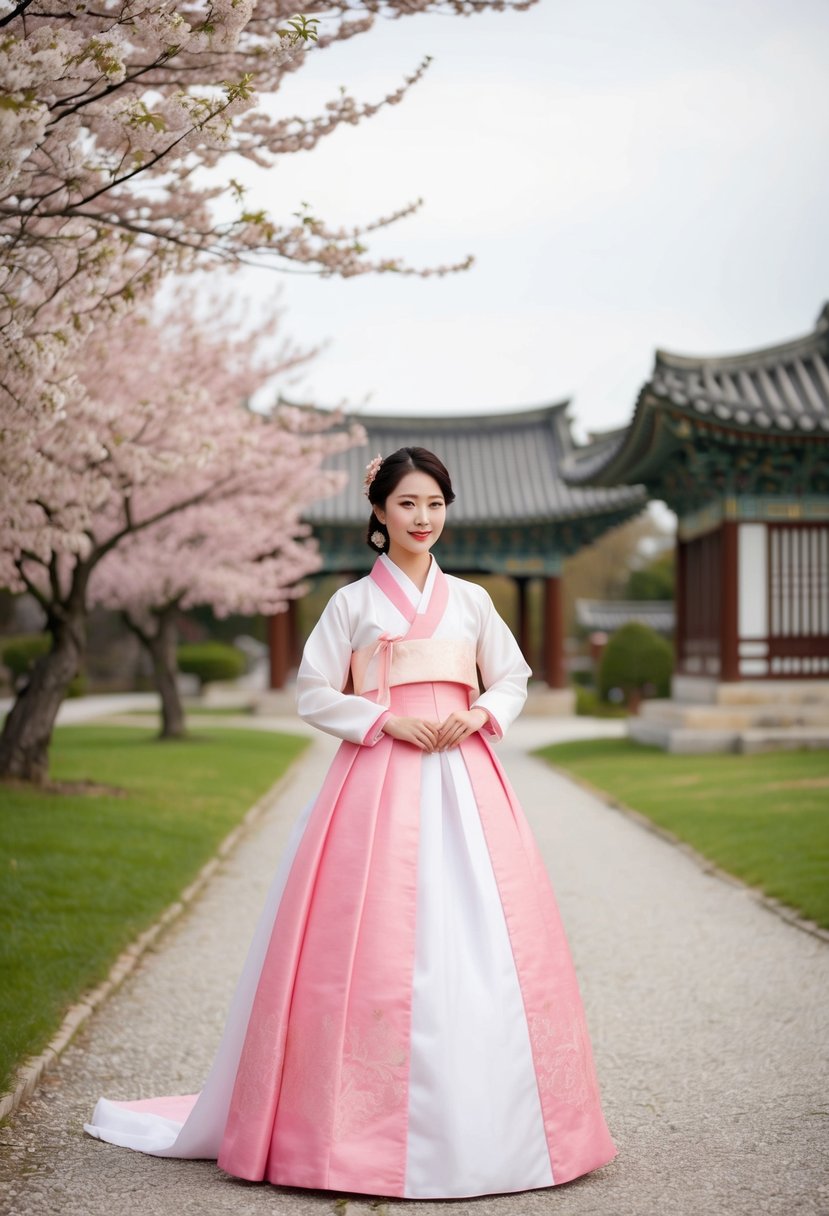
{"points": [[750, 716]]}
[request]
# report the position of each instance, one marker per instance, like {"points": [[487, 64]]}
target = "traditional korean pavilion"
{"points": [[514, 513], [738, 446]]}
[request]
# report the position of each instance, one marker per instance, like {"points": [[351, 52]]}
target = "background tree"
{"points": [[654, 580], [243, 550], [602, 571], [160, 431]]}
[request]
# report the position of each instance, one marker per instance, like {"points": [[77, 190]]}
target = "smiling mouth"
{"points": [[420, 533]]}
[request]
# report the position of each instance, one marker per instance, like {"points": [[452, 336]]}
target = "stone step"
{"points": [[792, 692], [682, 740], [708, 691], [681, 714], [694, 742], [783, 740]]}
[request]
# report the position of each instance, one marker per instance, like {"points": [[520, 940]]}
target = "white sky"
{"points": [[628, 175]]}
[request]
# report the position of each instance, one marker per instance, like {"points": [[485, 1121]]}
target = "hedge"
{"points": [[211, 661], [638, 661]]}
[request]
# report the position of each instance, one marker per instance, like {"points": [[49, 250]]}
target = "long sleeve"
{"points": [[504, 671], [322, 674]]}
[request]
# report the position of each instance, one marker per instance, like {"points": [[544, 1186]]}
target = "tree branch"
{"points": [[15, 13], [32, 588]]}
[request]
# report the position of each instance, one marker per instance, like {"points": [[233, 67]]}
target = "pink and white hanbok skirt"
{"points": [[408, 1020]]}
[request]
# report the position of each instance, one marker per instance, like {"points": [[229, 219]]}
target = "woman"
{"points": [[408, 1022]]}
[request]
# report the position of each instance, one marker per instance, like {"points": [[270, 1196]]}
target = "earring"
{"points": [[378, 539]]}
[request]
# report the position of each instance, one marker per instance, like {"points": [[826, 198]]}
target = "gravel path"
{"points": [[709, 1017]]}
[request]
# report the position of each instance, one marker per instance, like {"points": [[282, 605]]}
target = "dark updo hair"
{"points": [[392, 471]]}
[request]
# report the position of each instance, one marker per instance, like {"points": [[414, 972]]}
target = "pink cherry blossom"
{"points": [[116, 127]]}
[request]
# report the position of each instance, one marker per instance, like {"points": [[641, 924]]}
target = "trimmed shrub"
{"points": [[637, 661], [211, 661], [20, 654]]}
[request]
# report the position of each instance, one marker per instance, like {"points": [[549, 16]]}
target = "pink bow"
{"points": [[384, 650]]}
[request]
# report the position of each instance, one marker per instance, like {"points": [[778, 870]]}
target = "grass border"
{"points": [[29, 1074], [783, 911]]}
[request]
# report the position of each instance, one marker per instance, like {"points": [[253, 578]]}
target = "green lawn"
{"points": [[82, 875], [764, 818], [196, 711]]}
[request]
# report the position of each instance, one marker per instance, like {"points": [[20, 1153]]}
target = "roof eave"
{"points": [[623, 465]]}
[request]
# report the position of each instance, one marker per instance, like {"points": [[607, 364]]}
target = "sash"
{"points": [[425, 660]]}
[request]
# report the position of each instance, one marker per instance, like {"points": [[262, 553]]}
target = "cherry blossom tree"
{"points": [[159, 430], [116, 122], [243, 550]]}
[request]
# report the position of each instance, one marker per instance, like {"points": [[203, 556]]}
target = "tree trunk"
{"points": [[161, 645], [27, 733]]}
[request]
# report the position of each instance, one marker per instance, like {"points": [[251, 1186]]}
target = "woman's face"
{"points": [[414, 513]]}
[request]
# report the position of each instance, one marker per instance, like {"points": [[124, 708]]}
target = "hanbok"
{"points": [[408, 1021]]}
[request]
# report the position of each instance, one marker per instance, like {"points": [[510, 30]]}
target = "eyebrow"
{"points": [[404, 494]]}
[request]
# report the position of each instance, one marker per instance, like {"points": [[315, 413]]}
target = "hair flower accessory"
{"points": [[371, 472]]}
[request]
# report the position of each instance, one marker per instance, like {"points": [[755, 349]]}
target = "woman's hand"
{"points": [[422, 732], [459, 726]]}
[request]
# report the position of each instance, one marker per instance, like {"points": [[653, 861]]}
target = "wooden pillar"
{"points": [[521, 582], [680, 605], [729, 654], [554, 672], [279, 642]]}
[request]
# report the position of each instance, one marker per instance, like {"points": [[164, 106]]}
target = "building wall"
{"points": [[781, 623]]}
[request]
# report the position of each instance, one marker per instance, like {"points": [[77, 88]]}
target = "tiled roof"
{"points": [[504, 467], [780, 390], [609, 615]]}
